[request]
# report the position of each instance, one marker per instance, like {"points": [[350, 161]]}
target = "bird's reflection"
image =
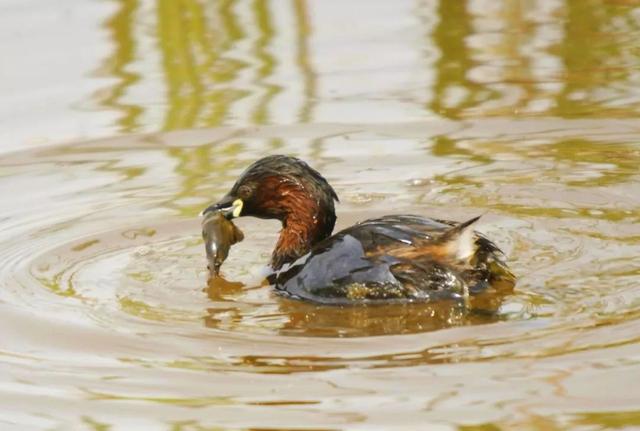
{"points": [[230, 311]]}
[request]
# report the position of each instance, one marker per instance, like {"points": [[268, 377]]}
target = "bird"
{"points": [[401, 258]]}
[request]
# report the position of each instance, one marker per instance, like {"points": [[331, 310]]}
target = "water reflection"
{"points": [[221, 62], [237, 62], [313, 321], [198, 70], [120, 28], [454, 91], [600, 65]]}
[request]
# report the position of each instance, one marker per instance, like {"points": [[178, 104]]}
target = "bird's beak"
{"points": [[228, 205]]}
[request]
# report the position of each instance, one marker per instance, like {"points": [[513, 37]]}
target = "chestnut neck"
{"points": [[305, 223]]}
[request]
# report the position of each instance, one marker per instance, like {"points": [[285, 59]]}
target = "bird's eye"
{"points": [[244, 192]]}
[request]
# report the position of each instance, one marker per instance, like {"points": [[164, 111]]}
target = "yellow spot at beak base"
{"points": [[237, 207]]}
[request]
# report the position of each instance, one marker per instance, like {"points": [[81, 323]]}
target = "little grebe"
{"points": [[396, 258]]}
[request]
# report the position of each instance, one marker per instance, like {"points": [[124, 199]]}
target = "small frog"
{"points": [[219, 234]]}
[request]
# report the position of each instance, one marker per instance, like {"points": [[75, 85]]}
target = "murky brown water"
{"points": [[522, 111]]}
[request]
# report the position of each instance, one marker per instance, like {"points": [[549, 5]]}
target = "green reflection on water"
{"points": [[594, 421], [120, 28], [597, 55], [197, 71], [303, 59], [95, 425], [185, 402], [611, 419], [454, 91], [204, 62], [266, 62], [580, 60]]}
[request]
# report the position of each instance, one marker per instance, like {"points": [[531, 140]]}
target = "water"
{"points": [[525, 112]]}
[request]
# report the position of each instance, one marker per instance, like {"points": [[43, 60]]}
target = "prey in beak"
{"points": [[219, 232]]}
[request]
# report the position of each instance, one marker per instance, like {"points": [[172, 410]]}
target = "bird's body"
{"points": [[398, 258], [403, 258]]}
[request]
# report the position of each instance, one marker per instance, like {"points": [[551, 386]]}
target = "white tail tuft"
{"points": [[460, 240]]}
